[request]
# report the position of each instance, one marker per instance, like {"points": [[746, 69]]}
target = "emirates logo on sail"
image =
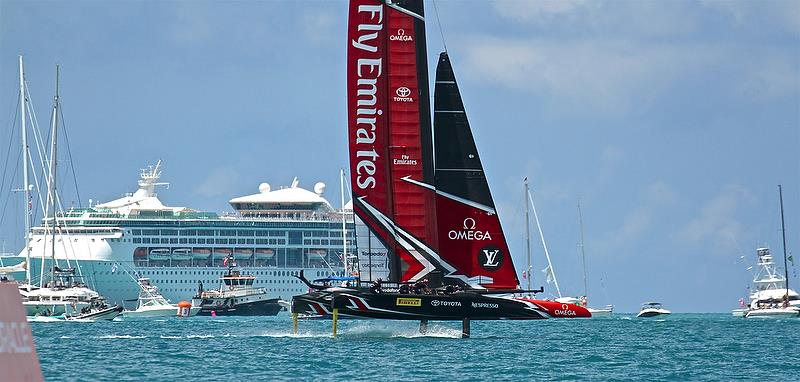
{"points": [[369, 72], [403, 94], [401, 36], [469, 232]]}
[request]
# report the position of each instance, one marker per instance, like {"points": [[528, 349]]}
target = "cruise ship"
{"points": [[273, 235]]}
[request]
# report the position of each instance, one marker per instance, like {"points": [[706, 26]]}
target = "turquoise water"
{"points": [[680, 347]]}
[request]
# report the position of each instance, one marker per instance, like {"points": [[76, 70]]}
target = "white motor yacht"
{"points": [[773, 312], [152, 304], [772, 297], [652, 309]]}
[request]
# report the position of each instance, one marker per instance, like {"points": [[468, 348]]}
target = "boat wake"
{"points": [[44, 319], [385, 330], [118, 337]]}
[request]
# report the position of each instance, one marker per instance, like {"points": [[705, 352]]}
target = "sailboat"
{"points": [[549, 271], [435, 219], [772, 297], [64, 294]]}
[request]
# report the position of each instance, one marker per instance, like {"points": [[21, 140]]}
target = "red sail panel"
{"points": [[366, 104], [367, 109], [413, 204], [472, 241]]}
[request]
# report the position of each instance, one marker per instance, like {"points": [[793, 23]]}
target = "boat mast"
{"points": [[783, 234], [25, 188], [344, 224], [544, 245], [527, 236], [53, 203], [583, 252]]}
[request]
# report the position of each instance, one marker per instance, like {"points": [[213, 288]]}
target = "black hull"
{"points": [[452, 307], [257, 308]]}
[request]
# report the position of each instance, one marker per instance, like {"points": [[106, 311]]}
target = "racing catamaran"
{"points": [[434, 219]]}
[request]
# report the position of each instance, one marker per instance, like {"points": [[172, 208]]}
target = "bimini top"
{"points": [[289, 200]]}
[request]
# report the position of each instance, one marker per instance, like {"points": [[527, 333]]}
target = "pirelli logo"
{"points": [[402, 301]]}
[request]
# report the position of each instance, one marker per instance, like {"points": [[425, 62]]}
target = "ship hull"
{"points": [[209, 307]]}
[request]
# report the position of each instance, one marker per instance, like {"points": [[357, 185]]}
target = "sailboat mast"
{"points": [[583, 252], [25, 189], [783, 234], [344, 224], [53, 166], [544, 245], [527, 236]]}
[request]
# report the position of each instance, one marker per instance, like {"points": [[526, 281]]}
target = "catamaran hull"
{"points": [[458, 306], [557, 309]]}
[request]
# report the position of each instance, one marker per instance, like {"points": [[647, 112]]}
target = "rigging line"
{"points": [[3, 212], [544, 246], [436, 11], [71, 162], [8, 150]]}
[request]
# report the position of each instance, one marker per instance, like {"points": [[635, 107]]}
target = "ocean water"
{"points": [[681, 347]]}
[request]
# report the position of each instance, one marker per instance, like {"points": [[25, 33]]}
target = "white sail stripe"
{"points": [[467, 202], [408, 179], [445, 82], [392, 227], [403, 10], [427, 266]]}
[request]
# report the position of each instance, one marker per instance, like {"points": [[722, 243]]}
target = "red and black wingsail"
{"points": [[398, 193], [390, 135], [470, 236]]}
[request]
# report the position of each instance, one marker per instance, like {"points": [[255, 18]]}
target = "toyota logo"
{"points": [[403, 92], [436, 302]]}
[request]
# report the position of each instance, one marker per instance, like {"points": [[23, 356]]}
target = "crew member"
{"points": [[376, 286]]}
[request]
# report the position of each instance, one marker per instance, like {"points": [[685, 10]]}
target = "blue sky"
{"points": [[673, 122]]}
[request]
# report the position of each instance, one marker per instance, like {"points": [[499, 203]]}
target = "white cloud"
{"points": [[528, 10], [716, 221], [219, 182], [601, 75], [319, 26]]}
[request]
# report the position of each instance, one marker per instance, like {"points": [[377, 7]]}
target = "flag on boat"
{"points": [[791, 259], [548, 272], [225, 262], [114, 268]]}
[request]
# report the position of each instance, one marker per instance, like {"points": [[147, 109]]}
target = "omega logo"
{"points": [[469, 232], [401, 36]]}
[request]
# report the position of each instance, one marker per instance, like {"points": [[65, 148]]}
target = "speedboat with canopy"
{"points": [[652, 309]]}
